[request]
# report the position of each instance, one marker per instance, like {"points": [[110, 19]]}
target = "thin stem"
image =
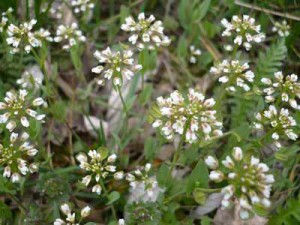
{"points": [[122, 100], [106, 195], [179, 147], [20, 205], [142, 71]]}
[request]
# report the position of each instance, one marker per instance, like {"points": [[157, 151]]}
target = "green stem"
{"points": [[20, 205], [106, 195], [142, 71], [122, 100], [179, 147]]}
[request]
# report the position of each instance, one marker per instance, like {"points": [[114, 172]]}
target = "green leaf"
{"points": [[288, 215], [103, 152], [146, 95], [113, 197], [5, 212], [198, 176], [201, 11], [199, 196], [150, 148], [270, 61]]}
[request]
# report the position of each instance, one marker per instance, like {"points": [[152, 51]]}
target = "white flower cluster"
{"points": [[283, 29], [99, 167], [194, 53], [31, 78], [143, 187], [56, 9], [193, 116], [116, 66], [280, 121], [4, 19], [71, 217], [146, 32], [70, 34], [17, 108], [287, 88], [234, 74], [23, 37], [245, 31], [82, 5], [249, 183], [14, 157]]}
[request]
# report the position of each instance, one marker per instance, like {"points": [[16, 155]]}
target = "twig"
{"points": [[258, 8]]}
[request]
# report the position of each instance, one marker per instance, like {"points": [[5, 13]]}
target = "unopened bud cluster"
{"points": [[244, 31], [71, 217], [192, 116], [234, 74], [248, 180], [283, 29], [99, 167]]}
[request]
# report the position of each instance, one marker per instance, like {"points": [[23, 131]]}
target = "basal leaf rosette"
{"points": [[248, 181]]}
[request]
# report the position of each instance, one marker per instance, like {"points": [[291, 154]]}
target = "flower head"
{"points": [[146, 32], [248, 182], [283, 29], [82, 5], [4, 19], [279, 121], [234, 74], [23, 37], [17, 109], [70, 35], [15, 157], [71, 217], [99, 166], [31, 78], [245, 31], [286, 89], [194, 53], [192, 116], [143, 187], [115, 66]]}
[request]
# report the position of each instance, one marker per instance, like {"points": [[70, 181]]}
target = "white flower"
{"points": [[146, 32], [70, 35], [283, 29], [115, 66], [82, 5], [287, 88], [99, 167], [15, 157], [244, 31], [194, 53], [85, 211], [278, 121], [121, 222], [211, 162], [32, 78], [23, 37], [195, 116], [16, 109], [248, 182], [71, 217], [234, 74]]}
